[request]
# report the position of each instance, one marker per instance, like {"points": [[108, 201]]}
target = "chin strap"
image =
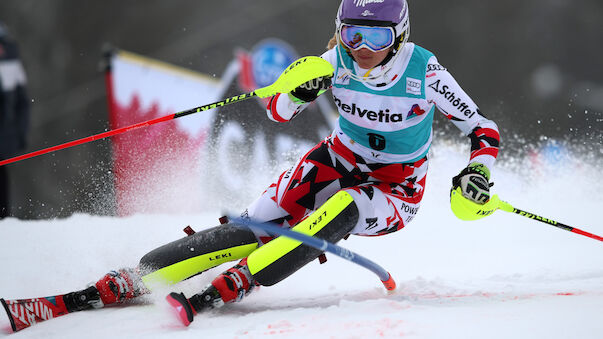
{"points": [[368, 72]]}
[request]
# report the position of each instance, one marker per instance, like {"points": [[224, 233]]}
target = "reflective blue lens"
{"points": [[374, 38]]}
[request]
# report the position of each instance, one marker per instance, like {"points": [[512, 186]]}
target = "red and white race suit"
{"points": [[378, 151]]}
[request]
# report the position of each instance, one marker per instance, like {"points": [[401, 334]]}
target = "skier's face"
{"points": [[368, 59]]}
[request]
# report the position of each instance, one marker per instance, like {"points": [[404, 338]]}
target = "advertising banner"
{"points": [[213, 159]]}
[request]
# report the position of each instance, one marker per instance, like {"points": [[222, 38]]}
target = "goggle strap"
{"points": [[368, 23]]}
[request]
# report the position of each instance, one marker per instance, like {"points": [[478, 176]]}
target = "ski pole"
{"points": [[299, 72], [505, 206], [323, 245]]}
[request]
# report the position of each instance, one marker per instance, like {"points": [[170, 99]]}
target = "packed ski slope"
{"points": [[502, 277]]}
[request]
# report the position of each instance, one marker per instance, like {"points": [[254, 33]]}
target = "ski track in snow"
{"points": [[502, 277]]}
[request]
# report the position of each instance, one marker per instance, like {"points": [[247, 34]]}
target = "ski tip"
{"points": [[390, 283], [9, 315], [183, 308]]}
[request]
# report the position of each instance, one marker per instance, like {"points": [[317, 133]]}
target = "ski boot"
{"points": [[230, 286], [114, 287], [119, 286]]}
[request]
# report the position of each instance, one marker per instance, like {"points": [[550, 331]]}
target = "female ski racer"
{"points": [[366, 178]]}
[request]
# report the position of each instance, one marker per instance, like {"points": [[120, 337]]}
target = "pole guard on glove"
{"points": [[466, 209]]}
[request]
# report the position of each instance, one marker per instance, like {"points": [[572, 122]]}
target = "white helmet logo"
{"points": [[367, 13], [362, 3]]}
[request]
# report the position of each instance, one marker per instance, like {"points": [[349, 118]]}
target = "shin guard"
{"points": [[283, 256], [186, 257]]}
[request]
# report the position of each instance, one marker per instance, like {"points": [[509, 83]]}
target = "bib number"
{"points": [[376, 141]]}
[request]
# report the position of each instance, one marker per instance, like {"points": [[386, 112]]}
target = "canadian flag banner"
{"points": [[157, 168]]}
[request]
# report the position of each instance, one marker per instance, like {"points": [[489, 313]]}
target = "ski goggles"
{"points": [[374, 38]]}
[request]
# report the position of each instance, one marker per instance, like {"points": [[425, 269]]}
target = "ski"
{"points": [[24, 313], [182, 307]]}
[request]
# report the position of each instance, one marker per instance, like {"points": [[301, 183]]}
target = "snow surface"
{"points": [[501, 277]]}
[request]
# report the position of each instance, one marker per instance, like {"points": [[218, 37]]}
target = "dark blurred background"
{"points": [[533, 66]]}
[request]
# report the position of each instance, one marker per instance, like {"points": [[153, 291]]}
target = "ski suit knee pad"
{"points": [[186, 257], [283, 256]]}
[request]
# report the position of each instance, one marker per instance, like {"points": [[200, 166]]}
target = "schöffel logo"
{"points": [[451, 96], [381, 116], [362, 3]]}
